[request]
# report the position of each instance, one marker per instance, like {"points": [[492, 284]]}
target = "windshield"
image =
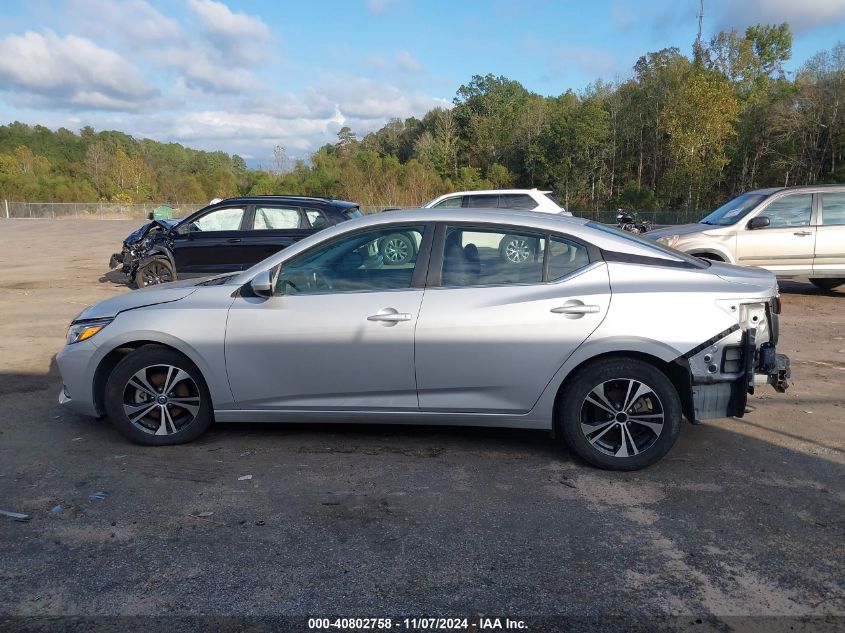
{"points": [[553, 199], [352, 213], [733, 211], [655, 246]]}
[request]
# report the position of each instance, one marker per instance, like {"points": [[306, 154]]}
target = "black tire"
{"points": [[188, 415], [826, 284], [397, 249], [157, 270], [516, 249], [616, 378]]}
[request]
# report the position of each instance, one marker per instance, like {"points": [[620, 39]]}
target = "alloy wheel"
{"points": [[622, 417], [161, 399], [517, 250], [395, 250], [156, 273]]}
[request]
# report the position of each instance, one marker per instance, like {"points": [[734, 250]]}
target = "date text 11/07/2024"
{"points": [[419, 624]]}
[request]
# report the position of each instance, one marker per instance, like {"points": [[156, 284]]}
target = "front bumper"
{"points": [[75, 366]]}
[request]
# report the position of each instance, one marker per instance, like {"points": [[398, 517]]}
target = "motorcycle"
{"points": [[628, 221]]}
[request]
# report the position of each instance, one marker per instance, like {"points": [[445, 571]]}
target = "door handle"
{"points": [[574, 309], [233, 240], [389, 316], [803, 233]]}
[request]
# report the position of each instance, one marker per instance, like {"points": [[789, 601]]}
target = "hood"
{"points": [[139, 234], [152, 295], [680, 229], [758, 279]]}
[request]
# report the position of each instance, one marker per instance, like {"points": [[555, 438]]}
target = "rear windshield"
{"points": [[650, 244], [733, 211], [553, 199], [355, 212]]}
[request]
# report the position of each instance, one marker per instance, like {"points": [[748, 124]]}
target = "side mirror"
{"points": [[182, 229], [760, 222], [262, 284]]}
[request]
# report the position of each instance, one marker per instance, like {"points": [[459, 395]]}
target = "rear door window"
{"points": [[276, 218], [565, 257], [833, 208], [517, 201], [483, 201]]}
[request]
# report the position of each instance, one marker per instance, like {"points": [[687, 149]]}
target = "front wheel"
{"points": [[397, 249], [826, 284], [157, 270], [620, 414], [156, 396]]}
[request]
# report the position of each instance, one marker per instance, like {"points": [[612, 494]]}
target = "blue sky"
{"points": [[247, 76]]}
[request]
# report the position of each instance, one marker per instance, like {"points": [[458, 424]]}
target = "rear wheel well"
{"points": [[677, 371], [107, 365]]}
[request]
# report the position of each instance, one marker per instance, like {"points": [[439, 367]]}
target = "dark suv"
{"points": [[227, 236]]}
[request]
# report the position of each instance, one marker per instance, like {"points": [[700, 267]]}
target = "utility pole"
{"points": [[698, 48]]}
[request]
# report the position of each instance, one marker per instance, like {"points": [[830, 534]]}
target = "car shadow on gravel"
{"points": [[117, 277], [807, 289]]}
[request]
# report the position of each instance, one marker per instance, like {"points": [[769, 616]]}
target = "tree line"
{"points": [[683, 132]]}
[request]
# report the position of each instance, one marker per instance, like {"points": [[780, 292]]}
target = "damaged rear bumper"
{"points": [[724, 390]]}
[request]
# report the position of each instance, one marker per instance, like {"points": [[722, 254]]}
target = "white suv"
{"points": [[522, 199]]}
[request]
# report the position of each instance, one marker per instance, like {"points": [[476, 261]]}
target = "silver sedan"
{"points": [[491, 318]]}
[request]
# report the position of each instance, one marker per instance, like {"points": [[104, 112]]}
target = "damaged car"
{"points": [[225, 237], [602, 338]]}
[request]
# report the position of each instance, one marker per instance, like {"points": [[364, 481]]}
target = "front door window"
{"points": [[379, 259]]}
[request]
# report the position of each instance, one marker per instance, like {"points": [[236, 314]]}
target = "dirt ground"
{"points": [[743, 518]]}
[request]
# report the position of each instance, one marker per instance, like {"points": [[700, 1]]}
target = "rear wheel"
{"points": [[517, 249], [620, 414], [156, 396], [826, 284], [158, 270]]}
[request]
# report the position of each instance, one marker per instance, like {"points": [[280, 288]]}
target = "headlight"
{"points": [[669, 240], [83, 331]]}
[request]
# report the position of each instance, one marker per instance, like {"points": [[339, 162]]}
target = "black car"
{"points": [[227, 236]]}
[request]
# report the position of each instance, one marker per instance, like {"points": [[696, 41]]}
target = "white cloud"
{"points": [[199, 71], [134, 22], [801, 16], [47, 70], [204, 63]]}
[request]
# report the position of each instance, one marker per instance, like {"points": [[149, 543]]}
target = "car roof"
{"points": [[579, 228], [771, 190], [257, 199], [492, 191]]}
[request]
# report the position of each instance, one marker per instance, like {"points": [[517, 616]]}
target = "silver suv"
{"points": [[792, 231]]}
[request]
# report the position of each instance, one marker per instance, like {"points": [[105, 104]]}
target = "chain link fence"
{"points": [[142, 210], [94, 210]]}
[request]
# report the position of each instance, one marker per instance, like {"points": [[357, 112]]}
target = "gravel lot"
{"points": [[744, 517]]}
